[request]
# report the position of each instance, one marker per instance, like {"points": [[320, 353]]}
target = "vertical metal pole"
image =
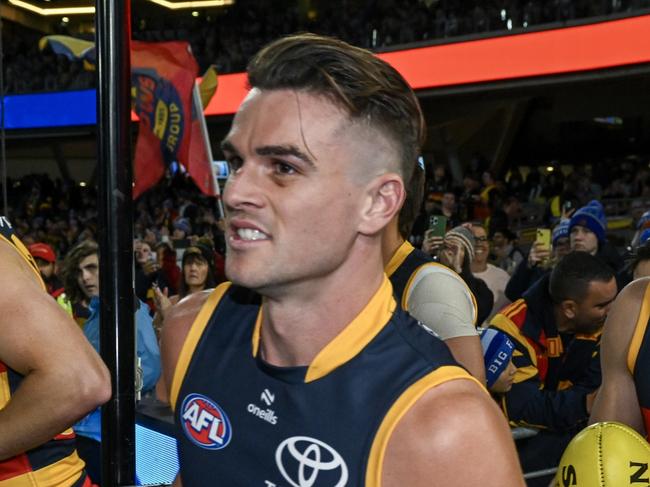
{"points": [[117, 332]]}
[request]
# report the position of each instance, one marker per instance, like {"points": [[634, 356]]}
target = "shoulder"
{"points": [[436, 436]]}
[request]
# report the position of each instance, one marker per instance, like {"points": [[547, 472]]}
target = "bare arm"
{"points": [[176, 326], [438, 443], [63, 376], [617, 399], [468, 352]]}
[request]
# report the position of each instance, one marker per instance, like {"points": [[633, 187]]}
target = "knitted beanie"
{"points": [[591, 216], [644, 221], [497, 352], [561, 230], [462, 236]]}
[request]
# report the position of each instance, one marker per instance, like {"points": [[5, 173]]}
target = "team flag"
{"points": [[169, 105]]}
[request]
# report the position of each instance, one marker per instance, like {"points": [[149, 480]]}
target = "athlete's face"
{"points": [[296, 189], [88, 276]]}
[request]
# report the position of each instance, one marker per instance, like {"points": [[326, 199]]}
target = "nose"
{"points": [[244, 187]]}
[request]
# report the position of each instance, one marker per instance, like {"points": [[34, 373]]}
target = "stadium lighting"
{"points": [[192, 4], [52, 10]]}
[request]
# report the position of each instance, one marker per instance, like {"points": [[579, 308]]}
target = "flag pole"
{"points": [[117, 329], [198, 108]]}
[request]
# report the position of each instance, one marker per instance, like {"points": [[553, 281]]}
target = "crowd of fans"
{"points": [[228, 39]]}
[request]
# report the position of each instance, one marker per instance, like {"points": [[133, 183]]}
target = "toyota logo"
{"points": [[306, 458]]}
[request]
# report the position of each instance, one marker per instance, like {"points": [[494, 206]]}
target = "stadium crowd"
{"points": [[228, 39], [179, 249]]}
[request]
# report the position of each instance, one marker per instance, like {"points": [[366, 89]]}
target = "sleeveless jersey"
{"points": [[55, 463], [241, 421], [638, 359]]}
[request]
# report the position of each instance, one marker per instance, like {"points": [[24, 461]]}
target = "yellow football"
{"points": [[606, 454]]}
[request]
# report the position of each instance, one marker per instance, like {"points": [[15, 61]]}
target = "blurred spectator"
{"points": [[506, 254], [495, 278], [46, 260], [457, 252]]}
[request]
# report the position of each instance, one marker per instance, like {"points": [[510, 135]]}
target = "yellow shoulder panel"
{"points": [[397, 411], [192, 339]]}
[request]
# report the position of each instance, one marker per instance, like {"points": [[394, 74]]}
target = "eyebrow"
{"points": [[272, 150]]}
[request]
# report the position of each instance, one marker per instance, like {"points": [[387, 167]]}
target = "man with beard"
{"points": [[46, 260], [556, 328]]}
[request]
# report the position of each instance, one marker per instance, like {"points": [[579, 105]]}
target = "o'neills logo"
{"points": [[204, 423], [267, 415]]}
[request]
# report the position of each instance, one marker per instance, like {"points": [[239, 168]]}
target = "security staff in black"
{"points": [[326, 424]]}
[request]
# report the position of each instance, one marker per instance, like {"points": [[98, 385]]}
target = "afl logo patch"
{"points": [[204, 423]]}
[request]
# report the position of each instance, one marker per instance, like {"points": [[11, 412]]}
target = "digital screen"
{"points": [[156, 457]]}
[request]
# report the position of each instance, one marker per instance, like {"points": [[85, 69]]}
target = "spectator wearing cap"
{"points": [[457, 252], [46, 260], [497, 356], [587, 230]]}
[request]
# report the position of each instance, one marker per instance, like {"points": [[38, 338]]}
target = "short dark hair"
{"points": [[412, 203], [572, 275], [71, 268], [353, 78]]}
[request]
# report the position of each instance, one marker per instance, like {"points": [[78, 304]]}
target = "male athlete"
{"points": [[625, 359], [304, 371], [49, 377]]}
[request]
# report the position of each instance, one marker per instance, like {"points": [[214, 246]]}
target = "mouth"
{"points": [[243, 232]]}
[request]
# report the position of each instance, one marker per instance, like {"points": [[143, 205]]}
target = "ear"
{"points": [[569, 308], [384, 198]]}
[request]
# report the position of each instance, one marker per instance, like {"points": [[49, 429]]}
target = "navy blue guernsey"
{"points": [[242, 422], [409, 259]]}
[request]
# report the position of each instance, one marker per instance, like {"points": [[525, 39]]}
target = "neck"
{"points": [[299, 322], [391, 240], [194, 289]]}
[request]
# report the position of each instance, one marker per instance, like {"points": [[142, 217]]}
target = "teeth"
{"points": [[250, 234]]}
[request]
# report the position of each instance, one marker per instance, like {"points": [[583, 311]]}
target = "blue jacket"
{"points": [[147, 350]]}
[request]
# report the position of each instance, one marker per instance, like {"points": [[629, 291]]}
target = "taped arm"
{"points": [[441, 300]]}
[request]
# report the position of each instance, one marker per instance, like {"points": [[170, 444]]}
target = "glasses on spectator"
{"points": [[481, 239]]}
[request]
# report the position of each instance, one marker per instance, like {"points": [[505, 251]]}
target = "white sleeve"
{"points": [[439, 298]]}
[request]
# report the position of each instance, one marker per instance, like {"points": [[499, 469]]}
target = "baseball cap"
{"points": [[42, 251]]}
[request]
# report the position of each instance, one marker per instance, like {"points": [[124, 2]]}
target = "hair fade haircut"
{"points": [[368, 88], [572, 275]]}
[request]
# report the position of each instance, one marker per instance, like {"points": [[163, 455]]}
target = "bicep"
{"points": [[432, 442]]}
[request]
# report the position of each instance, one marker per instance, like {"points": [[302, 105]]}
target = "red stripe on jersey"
{"points": [[3, 367], [14, 466], [65, 436]]}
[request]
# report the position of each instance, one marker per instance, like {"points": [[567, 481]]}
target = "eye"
{"points": [[234, 163], [283, 168]]}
